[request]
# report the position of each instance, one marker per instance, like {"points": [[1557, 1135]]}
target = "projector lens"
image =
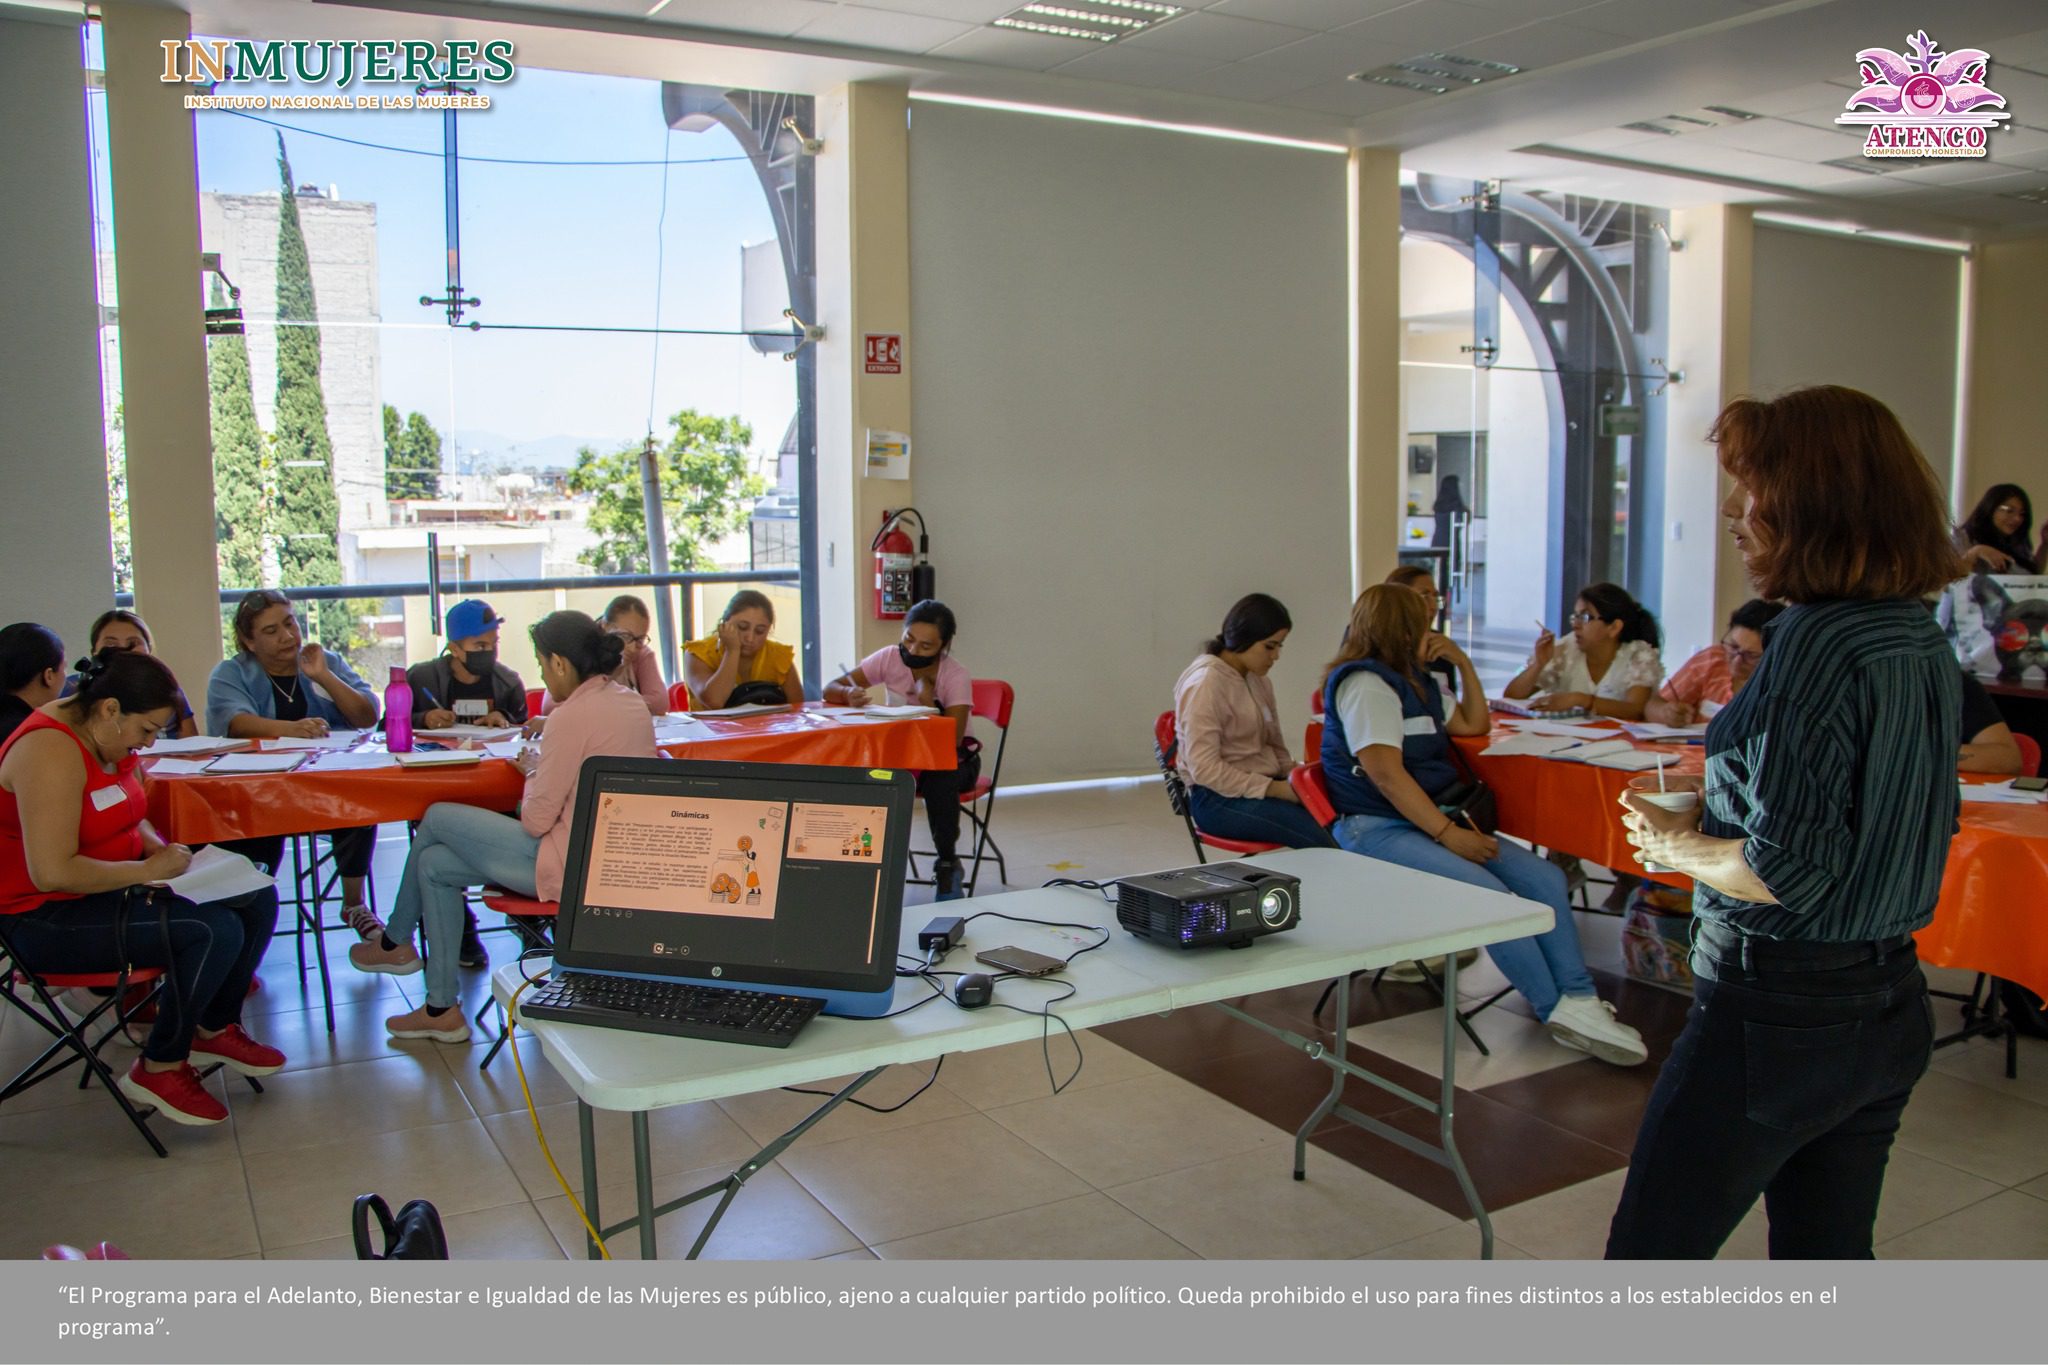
{"points": [[1273, 907]]}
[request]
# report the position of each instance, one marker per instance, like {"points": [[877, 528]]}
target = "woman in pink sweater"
{"points": [[1232, 754], [460, 846]]}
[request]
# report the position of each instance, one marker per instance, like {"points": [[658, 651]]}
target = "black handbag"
{"points": [[758, 693], [414, 1235], [1468, 801]]}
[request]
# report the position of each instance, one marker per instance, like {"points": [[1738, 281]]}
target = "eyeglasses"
{"points": [[1747, 656], [2012, 507], [630, 638], [1584, 618]]}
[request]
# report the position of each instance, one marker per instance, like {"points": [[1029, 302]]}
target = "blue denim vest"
{"points": [[1426, 756]]}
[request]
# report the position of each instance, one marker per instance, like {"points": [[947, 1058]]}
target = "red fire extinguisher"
{"points": [[902, 578]]}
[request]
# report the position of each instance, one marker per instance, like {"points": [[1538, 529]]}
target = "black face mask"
{"points": [[915, 661], [480, 662]]}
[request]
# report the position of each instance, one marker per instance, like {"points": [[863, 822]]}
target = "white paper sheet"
{"points": [[336, 739], [897, 712], [2001, 793], [1634, 761], [256, 763], [509, 748], [359, 760], [1585, 753], [177, 767], [483, 734], [439, 758], [198, 744], [1642, 729], [1549, 727], [1526, 743], [216, 874]]}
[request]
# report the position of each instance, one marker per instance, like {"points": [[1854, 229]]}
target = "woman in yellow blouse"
{"points": [[739, 665]]}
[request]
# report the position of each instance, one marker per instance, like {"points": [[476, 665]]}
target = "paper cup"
{"points": [[1676, 801]]}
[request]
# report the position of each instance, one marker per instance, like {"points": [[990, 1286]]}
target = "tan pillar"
{"points": [[155, 183], [2006, 401], [1377, 441]]}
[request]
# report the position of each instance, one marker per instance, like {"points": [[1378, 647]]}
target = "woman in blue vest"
{"points": [[1387, 759]]}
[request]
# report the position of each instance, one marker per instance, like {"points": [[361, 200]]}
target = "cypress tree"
{"points": [[239, 511], [422, 448]]}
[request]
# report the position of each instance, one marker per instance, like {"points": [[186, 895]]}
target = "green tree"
{"points": [[241, 511], [117, 504], [707, 492], [308, 514], [422, 446], [396, 480]]}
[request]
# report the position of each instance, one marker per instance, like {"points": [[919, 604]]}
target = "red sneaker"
{"points": [[177, 1094], [238, 1052]]}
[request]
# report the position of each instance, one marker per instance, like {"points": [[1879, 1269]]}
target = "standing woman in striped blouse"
{"points": [[1829, 801]]}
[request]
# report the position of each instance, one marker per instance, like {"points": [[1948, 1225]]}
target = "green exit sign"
{"points": [[1621, 419]]}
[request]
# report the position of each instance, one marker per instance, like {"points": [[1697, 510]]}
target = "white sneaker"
{"points": [[1587, 1024]]}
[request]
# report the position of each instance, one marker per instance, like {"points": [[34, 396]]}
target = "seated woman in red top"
{"points": [[74, 844]]}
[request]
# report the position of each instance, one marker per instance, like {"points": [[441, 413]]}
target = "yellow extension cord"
{"points": [[512, 1038]]}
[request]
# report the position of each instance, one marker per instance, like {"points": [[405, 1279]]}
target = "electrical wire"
{"points": [[660, 258], [512, 1039]]}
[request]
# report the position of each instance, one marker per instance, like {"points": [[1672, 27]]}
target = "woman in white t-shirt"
{"points": [[1608, 665], [920, 670]]}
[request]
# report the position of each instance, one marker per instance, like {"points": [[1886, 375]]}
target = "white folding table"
{"points": [[1360, 914]]}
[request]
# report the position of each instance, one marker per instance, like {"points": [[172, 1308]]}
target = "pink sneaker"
{"points": [[446, 1028], [238, 1052], [178, 1094], [372, 956]]}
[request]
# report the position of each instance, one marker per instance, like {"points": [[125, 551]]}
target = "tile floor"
{"points": [[1172, 1142]]}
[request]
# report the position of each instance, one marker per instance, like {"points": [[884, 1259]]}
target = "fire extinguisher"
{"points": [[901, 579]]}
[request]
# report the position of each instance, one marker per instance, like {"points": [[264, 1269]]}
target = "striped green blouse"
{"points": [[1836, 766]]}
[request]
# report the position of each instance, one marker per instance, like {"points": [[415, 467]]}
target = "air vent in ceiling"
{"points": [[1664, 128], [1437, 73], [1097, 21], [2036, 195], [1739, 115]]}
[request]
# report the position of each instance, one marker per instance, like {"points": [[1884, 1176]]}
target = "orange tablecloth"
{"points": [[207, 809], [1993, 912]]}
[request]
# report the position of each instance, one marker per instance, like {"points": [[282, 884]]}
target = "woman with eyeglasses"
{"points": [[1997, 536], [628, 618], [1422, 582], [1716, 673], [1608, 665]]}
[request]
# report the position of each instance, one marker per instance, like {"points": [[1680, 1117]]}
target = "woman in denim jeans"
{"points": [[1828, 804]]}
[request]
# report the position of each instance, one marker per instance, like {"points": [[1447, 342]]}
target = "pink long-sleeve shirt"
{"points": [[1228, 728], [642, 676], [600, 717]]}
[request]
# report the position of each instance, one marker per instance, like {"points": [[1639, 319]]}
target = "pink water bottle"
{"points": [[398, 713]]}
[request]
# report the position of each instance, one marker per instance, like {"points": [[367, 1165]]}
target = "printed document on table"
{"points": [[256, 763], [333, 739], [216, 874], [177, 767], [198, 744], [355, 760]]}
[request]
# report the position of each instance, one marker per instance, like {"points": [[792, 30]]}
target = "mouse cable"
{"points": [[1050, 924]]}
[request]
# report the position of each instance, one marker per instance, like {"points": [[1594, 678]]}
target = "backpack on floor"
{"points": [[414, 1235]]}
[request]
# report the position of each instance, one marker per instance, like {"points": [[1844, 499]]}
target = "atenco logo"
{"points": [[1924, 102], [216, 61]]}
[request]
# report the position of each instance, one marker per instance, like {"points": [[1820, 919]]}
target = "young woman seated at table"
{"points": [[1233, 755], [1997, 536], [74, 845], [740, 665], [275, 686], [31, 672], [628, 618], [1988, 745], [460, 846], [1716, 673], [467, 685], [1387, 759], [920, 670], [124, 630], [1608, 665]]}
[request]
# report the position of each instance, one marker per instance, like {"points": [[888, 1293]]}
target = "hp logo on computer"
{"points": [[718, 971]]}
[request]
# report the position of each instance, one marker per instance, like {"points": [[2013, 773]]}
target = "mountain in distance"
{"points": [[485, 450]]}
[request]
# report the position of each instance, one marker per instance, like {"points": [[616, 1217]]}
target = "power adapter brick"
{"points": [[943, 932]]}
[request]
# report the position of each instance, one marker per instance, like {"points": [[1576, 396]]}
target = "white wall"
{"points": [[1131, 409], [1871, 315], [1518, 445], [56, 553]]}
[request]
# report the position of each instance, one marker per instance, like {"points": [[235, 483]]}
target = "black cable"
{"points": [[1050, 924], [876, 1108]]}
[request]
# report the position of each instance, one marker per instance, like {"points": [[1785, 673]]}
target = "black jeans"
{"points": [[941, 790], [211, 954], [352, 850], [1788, 1081]]}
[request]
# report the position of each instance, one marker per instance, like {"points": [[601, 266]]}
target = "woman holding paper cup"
{"points": [[458, 846], [1828, 804], [920, 670], [75, 844], [1387, 759]]}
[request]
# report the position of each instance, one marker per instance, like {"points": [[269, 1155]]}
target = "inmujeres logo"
{"points": [[1925, 102], [434, 70]]}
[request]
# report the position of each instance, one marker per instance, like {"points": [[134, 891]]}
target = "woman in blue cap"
{"points": [[466, 685]]}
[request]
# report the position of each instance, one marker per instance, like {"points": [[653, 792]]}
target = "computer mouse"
{"points": [[973, 990]]}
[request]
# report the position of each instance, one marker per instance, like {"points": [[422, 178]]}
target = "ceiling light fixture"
{"points": [[1126, 121], [1740, 115], [659, 6], [1831, 228], [1436, 73], [1055, 30], [1642, 127], [1098, 21]]}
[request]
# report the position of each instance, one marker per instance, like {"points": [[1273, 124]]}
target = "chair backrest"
{"points": [[1312, 741], [678, 696], [536, 697], [1307, 781], [993, 701], [2030, 753], [1315, 702]]}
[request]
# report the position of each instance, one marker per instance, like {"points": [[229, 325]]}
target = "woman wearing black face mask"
{"points": [[920, 670], [467, 685]]}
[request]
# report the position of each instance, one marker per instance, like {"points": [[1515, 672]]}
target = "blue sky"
{"points": [[560, 245]]}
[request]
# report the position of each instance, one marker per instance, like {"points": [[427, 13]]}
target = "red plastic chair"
{"points": [[1166, 748], [536, 697], [531, 918], [678, 696], [1312, 742], [1315, 702], [992, 701], [2030, 754]]}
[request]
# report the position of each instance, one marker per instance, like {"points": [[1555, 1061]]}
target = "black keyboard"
{"points": [[682, 1008]]}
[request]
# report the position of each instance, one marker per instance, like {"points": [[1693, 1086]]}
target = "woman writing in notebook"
{"points": [[461, 846], [1608, 665]]}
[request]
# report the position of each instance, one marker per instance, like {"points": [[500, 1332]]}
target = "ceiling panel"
{"points": [[779, 18], [1777, 137], [1215, 37], [1240, 81], [1319, 15], [1433, 26], [1129, 66], [1539, 45], [1529, 11], [1330, 56], [960, 11], [998, 47], [1640, 19], [861, 27], [1352, 99]]}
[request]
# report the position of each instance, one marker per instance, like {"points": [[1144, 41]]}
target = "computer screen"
{"points": [[737, 873]]}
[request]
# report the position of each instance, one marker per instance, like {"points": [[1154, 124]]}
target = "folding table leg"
{"points": [[587, 1135], [1446, 1138], [643, 1183]]}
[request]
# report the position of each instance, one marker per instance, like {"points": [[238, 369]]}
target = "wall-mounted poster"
{"points": [[1998, 623]]}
